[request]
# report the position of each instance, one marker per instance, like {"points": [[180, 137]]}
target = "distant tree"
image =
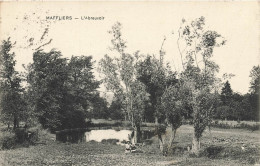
{"points": [[254, 91], [248, 112], [100, 108], [116, 110], [253, 100], [235, 106], [226, 93], [236, 111], [222, 112], [11, 101], [226, 97], [255, 78]]}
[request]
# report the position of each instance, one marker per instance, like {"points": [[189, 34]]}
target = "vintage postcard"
{"points": [[129, 83]]}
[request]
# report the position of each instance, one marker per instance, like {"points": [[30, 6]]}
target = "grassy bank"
{"points": [[227, 150]]}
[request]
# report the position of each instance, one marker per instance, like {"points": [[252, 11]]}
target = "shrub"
{"points": [[33, 134], [127, 124], [250, 155], [71, 135], [161, 129], [117, 124], [147, 134], [111, 141], [21, 135], [148, 142], [212, 151], [176, 150], [7, 140], [92, 142], [104, 124], [238, 126], [117, 129], [124, 142]]}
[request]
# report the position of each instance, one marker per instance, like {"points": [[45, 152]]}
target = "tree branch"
{"points": [[179, 48]]}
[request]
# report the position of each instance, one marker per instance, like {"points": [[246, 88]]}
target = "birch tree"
{"points": [[196, 45], [119, 76]]}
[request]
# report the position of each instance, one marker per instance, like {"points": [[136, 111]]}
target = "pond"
{"points": [[99, 135]]}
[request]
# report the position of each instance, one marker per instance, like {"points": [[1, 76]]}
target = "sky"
{"points": [[144, 26]]}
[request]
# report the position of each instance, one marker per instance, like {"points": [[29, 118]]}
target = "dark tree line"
{"points": [[235, 106], [231, 106]]}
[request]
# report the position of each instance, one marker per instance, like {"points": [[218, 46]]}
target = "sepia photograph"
{"points": [[129, 83]]}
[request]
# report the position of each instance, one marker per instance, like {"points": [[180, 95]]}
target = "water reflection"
{"points": [[99, 135], [71, 135]]}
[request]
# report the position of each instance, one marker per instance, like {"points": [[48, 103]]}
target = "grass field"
{"points": [[227, 150]]}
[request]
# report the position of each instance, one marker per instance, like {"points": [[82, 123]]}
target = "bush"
{"points": [[124, 142], [33, 134], [250, 155], [161, 129], [108, 125], [117, 124], [222, 125], [127, 124], [212, 151], [148, 142], [7, 140], [71, 135], [21, 135], [176, 150], [110, 141], [238, 126], [40, 135]]}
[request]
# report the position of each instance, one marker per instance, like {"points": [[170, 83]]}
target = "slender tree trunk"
{"points": [[211, 137], [15, 122], [125, 116], [127, 103], [161, 142], [172, 136], [195, 145], [160, 138], [156, 121], [137, 134]]}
